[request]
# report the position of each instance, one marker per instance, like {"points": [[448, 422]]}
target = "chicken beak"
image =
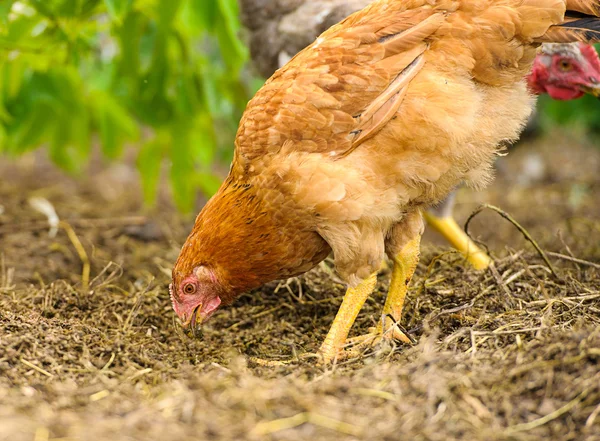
{"points": [[193, 324], [593, 90]]}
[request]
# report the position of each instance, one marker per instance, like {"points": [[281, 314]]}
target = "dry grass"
{"points": [[508, 354]]}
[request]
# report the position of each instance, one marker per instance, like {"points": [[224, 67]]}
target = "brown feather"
{"points": [[409, 38], [586, 30], [590, 7], [385, 106]]}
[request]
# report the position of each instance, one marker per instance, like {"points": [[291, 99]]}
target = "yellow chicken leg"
{"points": [[448, 228], [353, 301], [405, 264]]}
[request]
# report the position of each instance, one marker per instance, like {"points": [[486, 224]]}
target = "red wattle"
{"points": [[558, 93]]}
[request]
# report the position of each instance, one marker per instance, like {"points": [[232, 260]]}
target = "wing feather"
{"points": [[344, 88], [386, 105], [413, 36]]}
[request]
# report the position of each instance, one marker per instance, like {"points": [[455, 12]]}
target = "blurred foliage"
{"points": [[583, 113], [163, 74]]}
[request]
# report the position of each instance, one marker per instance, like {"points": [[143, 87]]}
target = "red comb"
{"points": [[590, 54]]}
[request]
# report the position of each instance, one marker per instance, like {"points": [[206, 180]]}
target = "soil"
{"points": [[512, 353]]}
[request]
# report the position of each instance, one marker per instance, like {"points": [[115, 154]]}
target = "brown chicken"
{"points": [[382, 116], [281, 28]]}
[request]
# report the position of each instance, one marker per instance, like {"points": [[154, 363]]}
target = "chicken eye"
{"points": [[189, 288], [565, 65]]}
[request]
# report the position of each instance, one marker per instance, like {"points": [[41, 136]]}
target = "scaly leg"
{"points": [[353, 301], [448, 228], [405, 263], [440, 218]]}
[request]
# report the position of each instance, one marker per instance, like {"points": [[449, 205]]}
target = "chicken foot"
{"points": [[405, 264], [440, 219], [354, 300], [452, 232]]}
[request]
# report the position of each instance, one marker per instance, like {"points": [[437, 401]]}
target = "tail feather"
{"points": [[587, 28], [589, 7], [582, 23]]}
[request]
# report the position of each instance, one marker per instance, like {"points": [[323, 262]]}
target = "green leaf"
{"points": [[208, 183], [3, 139], [44, 8], [59, 151], [167, 11], [118, 9], [170, 66], [5, 7], [200, 15], [233, 51], [182, 166], [30, 131], [115, 123], [203, 142], [149, 164]]}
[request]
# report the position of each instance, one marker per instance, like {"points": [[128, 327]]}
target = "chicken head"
{"points": [[194, 298], [566, 71]]}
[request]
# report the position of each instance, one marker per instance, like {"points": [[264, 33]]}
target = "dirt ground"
{"points": [[510, 354]]}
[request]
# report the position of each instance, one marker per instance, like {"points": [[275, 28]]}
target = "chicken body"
{"points": [[565, 71], [381, 116], [299, 135]]}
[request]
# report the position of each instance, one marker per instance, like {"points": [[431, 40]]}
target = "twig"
{"points": [[499, 280], [365, 392], [514, 277], [331, 424], [85, 274], [545, 364], [139, 374], [99, 395], [473, 343], [562, 299], [109, 362], [461, 307], [37, 368], [128, 323], [516, 331], [573, 259], [519, 227], [269, 427], [551, 416], [590, 420]]}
